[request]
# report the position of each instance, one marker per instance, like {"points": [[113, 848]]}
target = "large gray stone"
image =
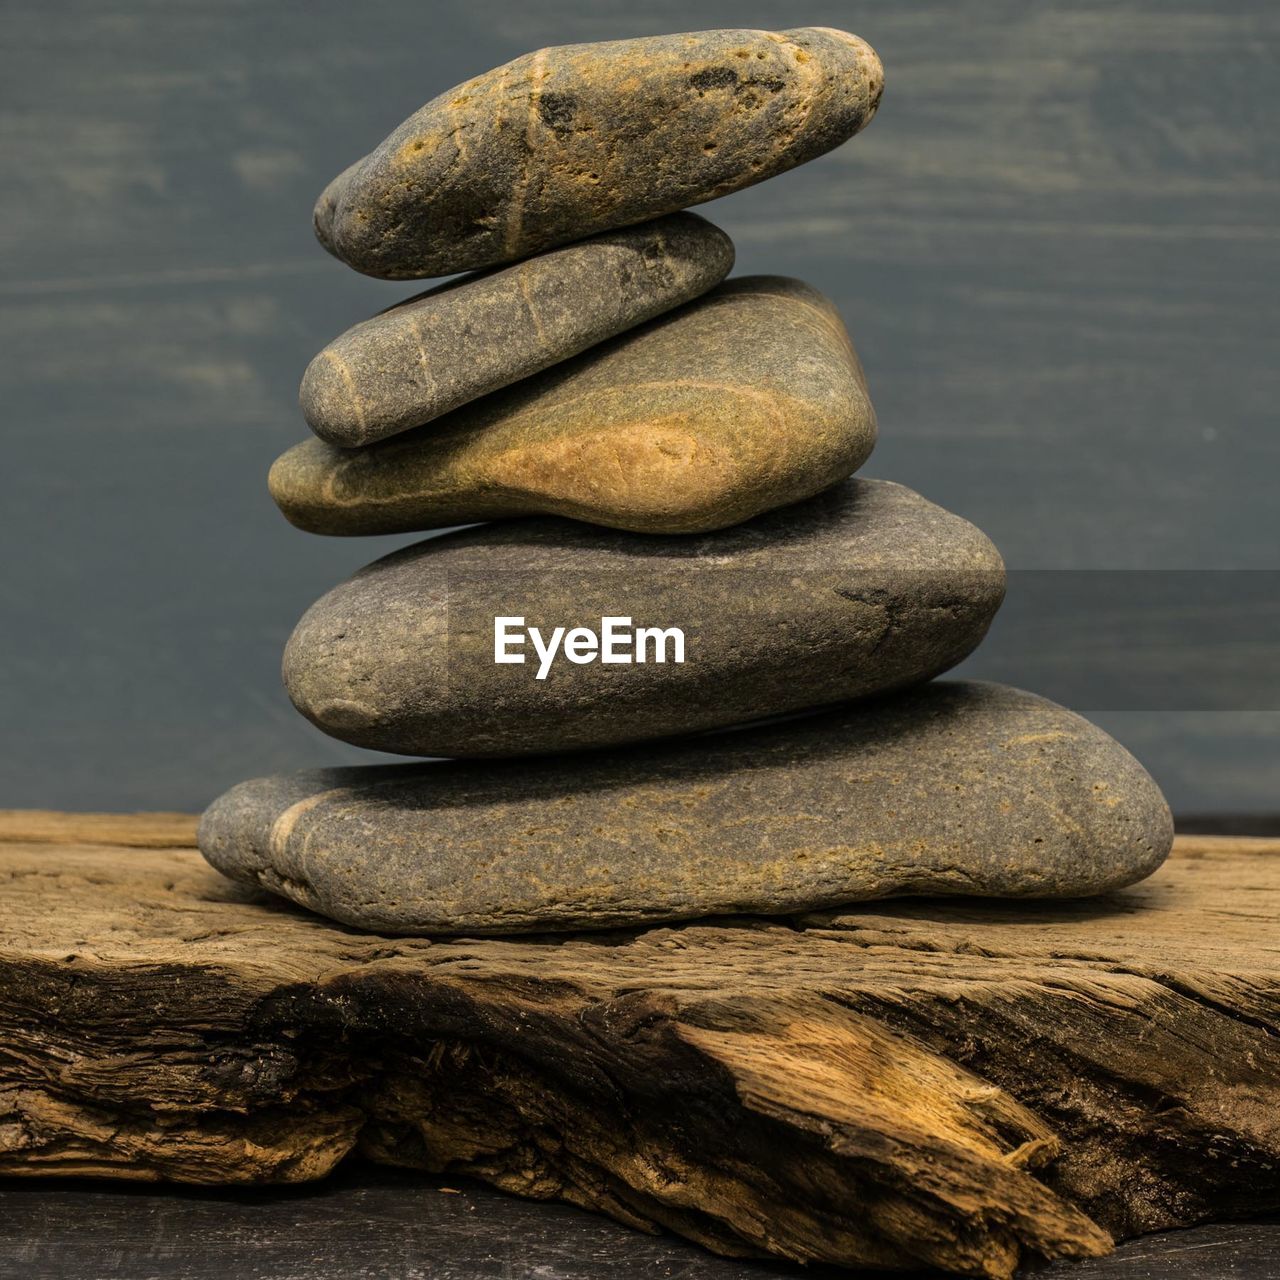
{"points": [[747, 399], [469, 337], [864, 588], [970, 789], [569, 141]]}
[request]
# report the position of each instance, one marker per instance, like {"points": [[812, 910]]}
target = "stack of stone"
{"points": [[677, 546]]}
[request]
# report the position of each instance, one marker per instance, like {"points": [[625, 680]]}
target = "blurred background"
{"points": [[1055, 247]]}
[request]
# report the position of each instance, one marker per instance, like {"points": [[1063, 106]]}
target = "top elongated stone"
{"points": [[464, 339], [569, 141]]}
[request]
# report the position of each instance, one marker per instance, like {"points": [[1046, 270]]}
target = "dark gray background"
{"points": [[1056, 248], [366, 1223]]}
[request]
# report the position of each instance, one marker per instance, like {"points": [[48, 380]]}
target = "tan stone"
{"points": [[569, 141], [746, 400]]}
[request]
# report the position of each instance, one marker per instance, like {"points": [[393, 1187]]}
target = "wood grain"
{"points": [[136, 830], [956, 1085]]}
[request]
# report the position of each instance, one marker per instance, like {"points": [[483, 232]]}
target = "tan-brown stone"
{"points": [[746, 400]]}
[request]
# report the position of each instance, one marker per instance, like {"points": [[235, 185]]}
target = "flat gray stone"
{"points": [[469, 337], [746, 399], [968, 789], [865, 588], [568, 141]]}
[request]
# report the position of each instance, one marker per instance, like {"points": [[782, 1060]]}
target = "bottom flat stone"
{"points": [[972, 789]]}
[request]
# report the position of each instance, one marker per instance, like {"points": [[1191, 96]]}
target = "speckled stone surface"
{"points": [[747, 399], [864, 588], [465, 339], [581, 138], [973, 789]]}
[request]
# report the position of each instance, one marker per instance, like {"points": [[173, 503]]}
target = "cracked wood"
{"points": [[964, 1085]]}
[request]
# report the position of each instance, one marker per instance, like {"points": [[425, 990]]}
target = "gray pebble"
{"points": [[469, 337], [865, 588]]}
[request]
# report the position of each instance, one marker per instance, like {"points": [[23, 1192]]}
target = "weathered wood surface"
{"points": [[959, 1085], [136, 830]]}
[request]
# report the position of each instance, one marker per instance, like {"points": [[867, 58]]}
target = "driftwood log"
{"points": [[966, 1085]]}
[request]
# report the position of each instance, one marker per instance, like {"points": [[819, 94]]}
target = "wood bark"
{"points": [[962, 1084]]}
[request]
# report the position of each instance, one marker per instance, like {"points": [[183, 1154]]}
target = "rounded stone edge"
{"points": [[244, 832], [290, 491], [221, 832], [1124, 835], [326, 208]]}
